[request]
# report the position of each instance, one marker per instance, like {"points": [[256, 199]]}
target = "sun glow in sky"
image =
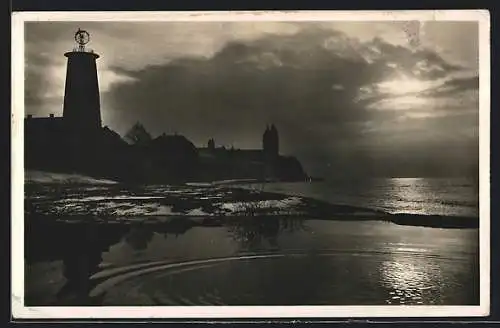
{"points": [[404, 85], [403, 102], [403, 93]]}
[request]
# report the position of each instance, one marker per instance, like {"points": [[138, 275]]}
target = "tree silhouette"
{"points": [[137, 135]]}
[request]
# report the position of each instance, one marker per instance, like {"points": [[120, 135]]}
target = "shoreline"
{"points": [[223, 199], [220, 202], [75, 178], [403, 219]]}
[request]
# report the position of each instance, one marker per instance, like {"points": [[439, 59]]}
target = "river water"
{"points": [[428, 196]]}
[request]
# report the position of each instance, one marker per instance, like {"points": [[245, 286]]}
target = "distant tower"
{"points": [[274, 142], [211, 144], [270, 141], [265, 139], [82, 110]]}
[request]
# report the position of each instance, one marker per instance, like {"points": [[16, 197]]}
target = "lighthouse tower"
{"points": [[82, 110]]}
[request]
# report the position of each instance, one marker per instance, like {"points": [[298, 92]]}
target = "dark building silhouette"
{"points": [[266, 163], [175, 157], [82, 109], [43, 142], [75, 142]]}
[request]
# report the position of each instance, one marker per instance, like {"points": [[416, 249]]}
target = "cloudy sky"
{"points": [[358, 98]]}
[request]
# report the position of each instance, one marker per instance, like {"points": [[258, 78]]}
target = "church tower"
{"points": [[265, 139], [211, 144], [82, 110], [270, 141], [274, 141]]}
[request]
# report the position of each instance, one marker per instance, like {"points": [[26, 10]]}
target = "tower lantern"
{"points": [[82, 110]]}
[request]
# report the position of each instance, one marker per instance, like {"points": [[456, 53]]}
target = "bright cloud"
{"points": [[405, 85]]}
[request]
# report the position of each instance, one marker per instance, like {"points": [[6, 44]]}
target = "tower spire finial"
{"points": [[82, 37]]}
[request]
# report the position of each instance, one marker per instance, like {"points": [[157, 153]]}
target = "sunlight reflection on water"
{"points": [[436, 196], [410, 278]]}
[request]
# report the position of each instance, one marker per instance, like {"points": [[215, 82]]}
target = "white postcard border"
{"points": [[20, 311]]}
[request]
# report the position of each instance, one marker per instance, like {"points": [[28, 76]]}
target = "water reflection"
{"points": [[81, 245], [141, 234], [432, 280], [139, 237], [410, 279], [251, 261], [255, 233]]}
